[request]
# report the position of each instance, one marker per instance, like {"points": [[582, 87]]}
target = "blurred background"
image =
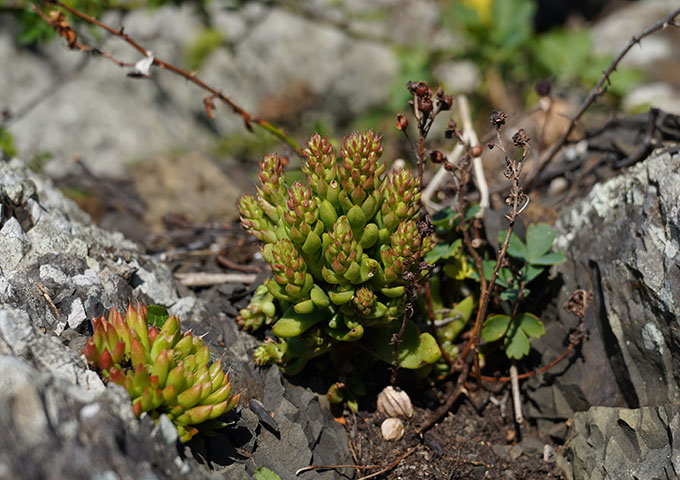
{"points": [[129, 148]]}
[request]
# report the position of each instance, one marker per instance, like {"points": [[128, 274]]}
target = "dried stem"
{"points": [[517, 197], [382, 468], [598, 90], [248, 118]]}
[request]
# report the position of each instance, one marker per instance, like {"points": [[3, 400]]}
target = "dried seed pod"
{"points": [[392, 429], [395, 402]]}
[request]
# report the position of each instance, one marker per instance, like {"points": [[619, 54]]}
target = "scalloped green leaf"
{"points": [[530, 324], [263, 473], [539, 239], [551, 258], [530, 272], [516, 344], [516, 247], [494, 327], [444, 251]]}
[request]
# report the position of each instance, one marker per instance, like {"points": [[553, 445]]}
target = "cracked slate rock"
{"points": [[61, 421], [615, 443], [622, 242]]}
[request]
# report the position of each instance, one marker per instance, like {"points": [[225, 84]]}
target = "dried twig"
{"points": [[516, 401], [203, 279], [381, 468], [598, 90], [470, 137], [516, 199], [46, 294], [69, 34]]}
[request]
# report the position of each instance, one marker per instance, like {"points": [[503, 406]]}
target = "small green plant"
{"points": [[527, 262], [7, 143], [163, 370], [344, 249]]}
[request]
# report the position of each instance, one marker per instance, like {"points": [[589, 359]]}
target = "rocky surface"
{"points": [[613, 443], [622, 243], [57, 270], [269, 57]]}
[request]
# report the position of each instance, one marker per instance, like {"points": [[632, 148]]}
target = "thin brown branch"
{"points": [[576, 305], [381, 468], [598, 90], [232, 265], [46, 294], [516, 196], [204, 279], [248, 118], [453, 391]]}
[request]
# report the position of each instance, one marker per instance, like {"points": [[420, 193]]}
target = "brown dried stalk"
{"points": [[63, 29], [598, 90]]}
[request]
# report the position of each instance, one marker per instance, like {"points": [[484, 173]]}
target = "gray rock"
{"points": [[622, 243], [63, 422], [16, 245], [613, 443], [344, 66]]}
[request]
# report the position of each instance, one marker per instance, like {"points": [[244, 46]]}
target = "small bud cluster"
{"points": [[339, 247], [163, 370]]}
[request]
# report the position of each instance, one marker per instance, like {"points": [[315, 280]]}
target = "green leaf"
{"points": [[551, 258], [415, 350], [540, 237], [494, 327], [504, 274], [516, 343], [263, 473], [157, 315], [444, 251], [516, 247], [292, 324], [530, 324], [529, 272], [472, 211], [511, 294]]}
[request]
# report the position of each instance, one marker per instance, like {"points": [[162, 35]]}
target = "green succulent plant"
{"points": [[343, 247], [163, 370]]}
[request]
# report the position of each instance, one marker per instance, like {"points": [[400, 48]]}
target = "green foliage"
{"points": [[7, 143], [200, 48], [528, 260], [341, 247], [163, 370], [263, 473], [514, 332], [504, 40]]}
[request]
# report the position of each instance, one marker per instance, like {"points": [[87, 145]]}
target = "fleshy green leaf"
{"points": [[540, 237], [157, 315], [530, 324], [292, 324], [494, 327], [415, 349]]}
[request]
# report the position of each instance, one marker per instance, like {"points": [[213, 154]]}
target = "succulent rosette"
{"points": [[163, 370], [339, 248]]}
